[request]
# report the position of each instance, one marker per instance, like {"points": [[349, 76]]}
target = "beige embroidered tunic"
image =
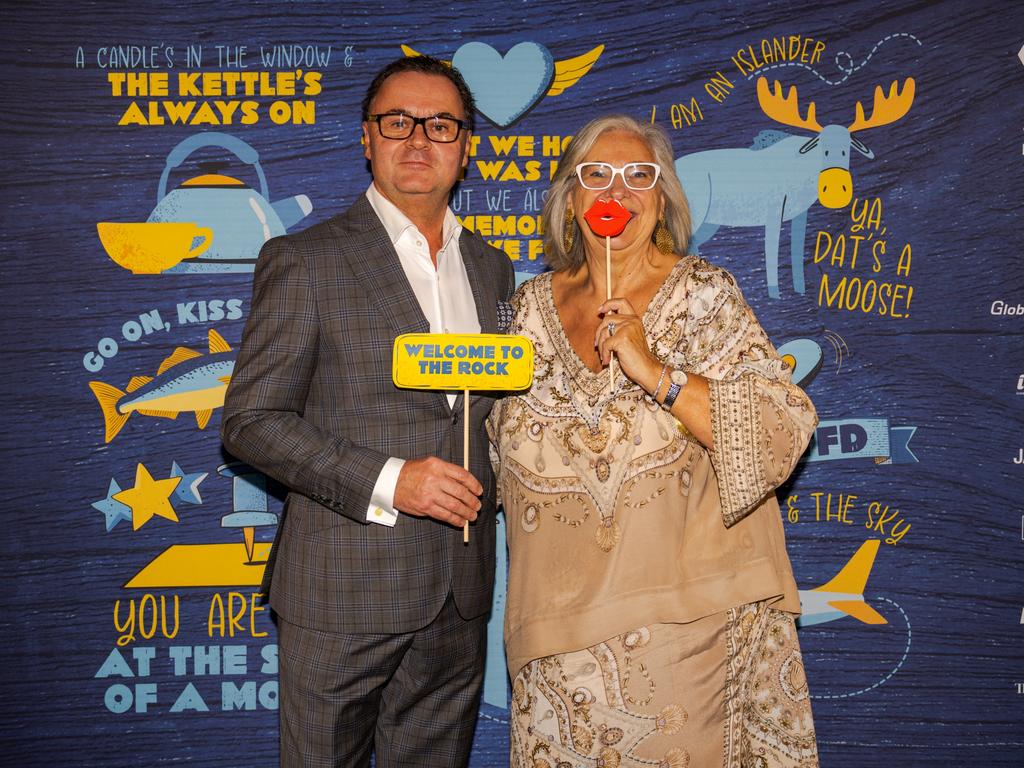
{"points": [[617, 518]]}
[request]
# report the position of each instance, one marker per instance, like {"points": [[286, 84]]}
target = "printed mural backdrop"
{"points": [[148, 154]]}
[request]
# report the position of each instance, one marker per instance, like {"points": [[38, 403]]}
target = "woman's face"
{"points": [[619, 148]]}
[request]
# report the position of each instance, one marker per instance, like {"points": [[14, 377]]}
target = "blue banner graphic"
{"points": [[836, 439]]}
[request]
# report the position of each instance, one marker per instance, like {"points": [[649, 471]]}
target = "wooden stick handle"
{"points": [[465, 452], [608, 295]]}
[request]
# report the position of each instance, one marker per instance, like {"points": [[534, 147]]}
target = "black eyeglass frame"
{"points": [[460, 126]]}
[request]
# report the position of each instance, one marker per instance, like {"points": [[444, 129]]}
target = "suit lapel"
{"points": [[377, 266], [483, 290], [386, 282]]}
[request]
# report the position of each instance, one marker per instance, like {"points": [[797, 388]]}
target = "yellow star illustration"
{"points": [[149, 497]]}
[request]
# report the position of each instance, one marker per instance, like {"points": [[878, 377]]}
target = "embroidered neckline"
{"points": [[595, 384]]}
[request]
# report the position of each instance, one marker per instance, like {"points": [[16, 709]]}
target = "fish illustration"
{"points": [[186, 381]]}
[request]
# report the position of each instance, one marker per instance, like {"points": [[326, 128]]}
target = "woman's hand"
{"points": [[628, 342]]}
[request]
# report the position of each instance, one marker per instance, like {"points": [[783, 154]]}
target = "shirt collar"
{"points": [[396, 223]]}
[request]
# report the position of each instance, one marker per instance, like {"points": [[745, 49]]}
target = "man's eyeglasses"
{"points": [[637, 176], [438, 128]]}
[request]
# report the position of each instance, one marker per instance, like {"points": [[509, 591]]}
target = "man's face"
{"points": [[405, 168]]}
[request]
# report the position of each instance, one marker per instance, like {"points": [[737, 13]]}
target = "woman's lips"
{"points": [[607, 218]]}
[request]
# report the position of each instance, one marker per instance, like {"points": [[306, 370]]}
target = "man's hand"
{"points": [[434, 488]]}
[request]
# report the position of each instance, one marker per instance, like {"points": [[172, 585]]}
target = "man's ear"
{"points": [[366, 140]]}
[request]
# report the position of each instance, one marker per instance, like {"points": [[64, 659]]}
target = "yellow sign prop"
{"points": [[466, 361]]}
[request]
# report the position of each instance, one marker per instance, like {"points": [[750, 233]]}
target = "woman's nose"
{"points": [[618, 189]]}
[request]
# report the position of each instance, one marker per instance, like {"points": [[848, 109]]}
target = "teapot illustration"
{"points": [[242, 219]]}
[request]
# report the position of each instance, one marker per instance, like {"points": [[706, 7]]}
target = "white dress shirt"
{"points": [[444, 295]]}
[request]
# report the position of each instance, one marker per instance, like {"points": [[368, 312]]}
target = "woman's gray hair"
{"points": [[677, 212]]}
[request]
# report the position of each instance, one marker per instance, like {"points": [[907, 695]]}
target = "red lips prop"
{"points": [[607, 218]]}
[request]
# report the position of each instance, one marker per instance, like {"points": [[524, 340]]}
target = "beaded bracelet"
{"points": [[661, 379]]}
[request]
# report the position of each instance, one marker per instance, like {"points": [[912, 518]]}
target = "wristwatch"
{"points": [[678, 380]]}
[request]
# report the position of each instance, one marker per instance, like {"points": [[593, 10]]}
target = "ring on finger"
{"points": [[611, 329]]}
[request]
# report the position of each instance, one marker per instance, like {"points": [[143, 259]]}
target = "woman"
{"points": [[650, 599]]}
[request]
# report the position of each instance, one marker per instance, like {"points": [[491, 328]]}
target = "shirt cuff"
{"points": [[382, 500]]}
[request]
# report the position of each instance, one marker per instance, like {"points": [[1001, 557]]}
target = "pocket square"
{"points": [[505, 316]]}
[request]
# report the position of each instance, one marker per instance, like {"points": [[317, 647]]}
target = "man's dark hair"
{"points": [[427, 65]]}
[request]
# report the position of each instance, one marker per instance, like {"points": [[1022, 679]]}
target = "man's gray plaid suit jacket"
{"points": [[311, 403]]}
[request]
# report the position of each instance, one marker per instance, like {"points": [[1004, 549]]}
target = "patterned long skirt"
{"points": [[728, 690]]}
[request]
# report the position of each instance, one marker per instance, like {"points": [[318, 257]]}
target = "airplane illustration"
{"points": [[844, 594]]}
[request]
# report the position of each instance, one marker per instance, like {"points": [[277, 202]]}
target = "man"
{"points": [[381, 608]]}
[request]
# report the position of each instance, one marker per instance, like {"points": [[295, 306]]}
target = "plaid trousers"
{"points": [[411, 698]]}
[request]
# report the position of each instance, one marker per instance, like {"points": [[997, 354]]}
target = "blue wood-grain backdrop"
{"points": [[941, 681]]}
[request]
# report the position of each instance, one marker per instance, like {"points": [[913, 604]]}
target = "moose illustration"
{"points": [[781, 175]]}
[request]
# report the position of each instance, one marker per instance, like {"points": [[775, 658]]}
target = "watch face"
{"points": [[679, 377]]}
